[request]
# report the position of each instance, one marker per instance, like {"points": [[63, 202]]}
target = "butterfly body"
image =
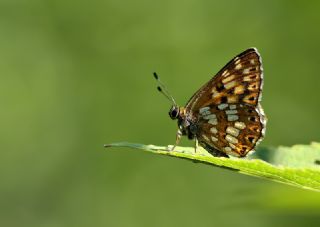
{"points": [[225, 115]]}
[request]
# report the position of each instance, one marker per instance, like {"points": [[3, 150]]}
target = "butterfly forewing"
{"points": [[227, 110], [239, 81]]}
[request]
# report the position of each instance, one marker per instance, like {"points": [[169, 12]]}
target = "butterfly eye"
{"points": [[174, 112]]}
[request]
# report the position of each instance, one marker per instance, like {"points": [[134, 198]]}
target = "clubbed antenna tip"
{"points": [[155, 75], [163, 89]]}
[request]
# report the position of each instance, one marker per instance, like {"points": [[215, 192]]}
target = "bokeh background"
{"points": [[78, 74]]}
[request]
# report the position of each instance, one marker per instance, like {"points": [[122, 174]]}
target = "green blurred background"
{"points": [[78, 74]]}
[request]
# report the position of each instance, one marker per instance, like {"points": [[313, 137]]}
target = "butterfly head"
{"points": [[174, 112]]}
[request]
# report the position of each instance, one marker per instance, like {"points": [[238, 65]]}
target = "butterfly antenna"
{"points": [[163, 89]]}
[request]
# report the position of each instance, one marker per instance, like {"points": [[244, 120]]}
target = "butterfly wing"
{"points": [[234, 129], [226, 110]]}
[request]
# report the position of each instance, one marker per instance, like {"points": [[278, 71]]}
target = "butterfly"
{"points": [[225, 116]]}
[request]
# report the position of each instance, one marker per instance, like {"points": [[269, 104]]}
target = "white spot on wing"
{"points": [[204, 109], [214, 139], [224, 72], [216, 95], [232, 131], [229, 78], [233, 117], [213, 130], [231, 111], [248, 78], [232, 146], [238, 66], [246, 71], [239, 125], [211, 116], [232, 99], [239, 89], [222, 106], [206, 113], [227, 149], [230, 84], [213, 121], [231, 139]]}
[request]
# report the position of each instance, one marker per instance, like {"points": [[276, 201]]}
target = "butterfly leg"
{"points": [[178, 138], [195, 144]]}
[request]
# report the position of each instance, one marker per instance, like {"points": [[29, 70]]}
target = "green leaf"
{"points": [[297, 165]]}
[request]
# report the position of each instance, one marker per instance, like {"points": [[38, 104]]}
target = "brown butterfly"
{"points": [[225, 116]]}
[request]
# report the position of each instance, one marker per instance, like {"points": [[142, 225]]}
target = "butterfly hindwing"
{"points": [[231, 128]]}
